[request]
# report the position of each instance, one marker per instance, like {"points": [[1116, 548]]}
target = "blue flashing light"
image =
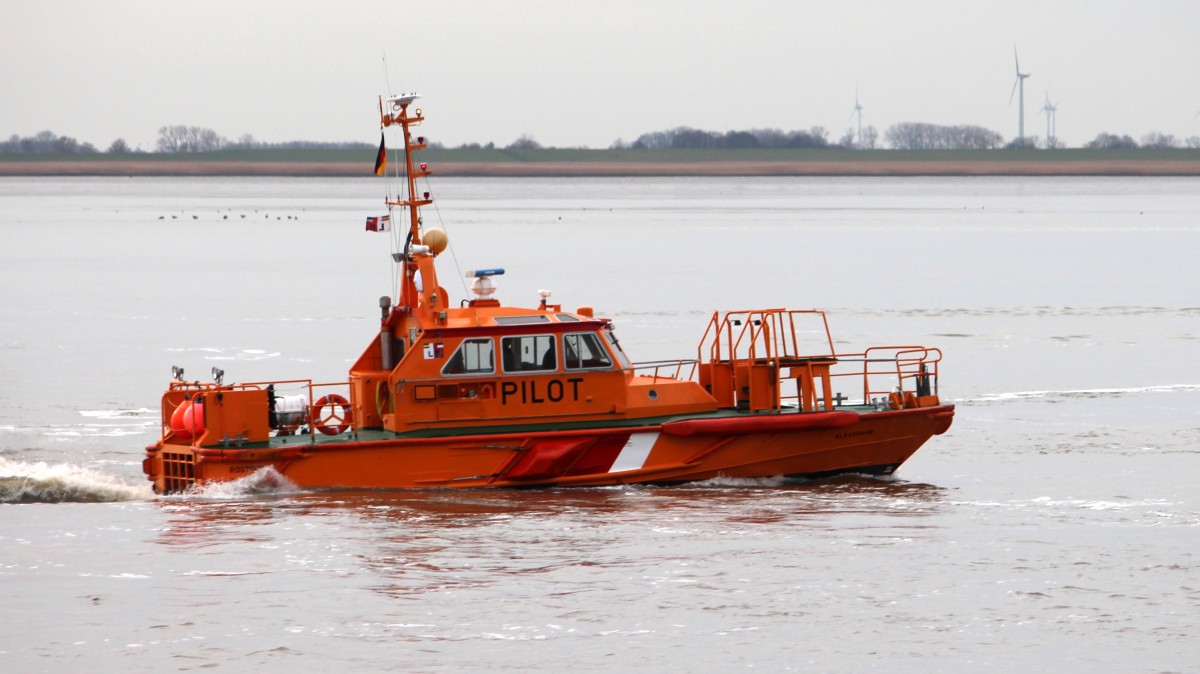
{"points": [[498, 271]]}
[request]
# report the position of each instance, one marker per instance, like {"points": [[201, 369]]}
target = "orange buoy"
{"points": [[187, 421]]}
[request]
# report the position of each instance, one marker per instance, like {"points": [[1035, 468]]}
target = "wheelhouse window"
{"points": [[473, 356], [616, 347], [583, 351], [531, 353]]}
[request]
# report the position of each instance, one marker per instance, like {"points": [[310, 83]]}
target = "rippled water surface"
{"points": [[1056, 527]]}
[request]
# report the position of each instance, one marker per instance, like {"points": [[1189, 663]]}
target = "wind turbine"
{"points": [[857, 111], [1049, 108], [1019, 84]]}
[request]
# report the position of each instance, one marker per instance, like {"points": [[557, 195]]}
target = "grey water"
{"points": [[1055, 527]]}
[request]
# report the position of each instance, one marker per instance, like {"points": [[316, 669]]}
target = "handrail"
{"points": [[659, 364], [765, 336], [904, 365], [308, 384], [771, 337], [771, 329]]}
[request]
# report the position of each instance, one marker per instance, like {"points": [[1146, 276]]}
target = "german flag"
{"points": [[381, 158]]}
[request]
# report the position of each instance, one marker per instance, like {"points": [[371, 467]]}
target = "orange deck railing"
{"points": [[747, 359], [181, 391]]}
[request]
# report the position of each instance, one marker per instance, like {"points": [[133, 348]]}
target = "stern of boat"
{"points": [[219, 432]]}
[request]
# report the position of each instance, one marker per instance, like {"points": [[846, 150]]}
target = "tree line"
{"points": [[918, 136], [180, 139], [1108, 141], [901, 136], [45, 142], [687, 138], [171, 140]]}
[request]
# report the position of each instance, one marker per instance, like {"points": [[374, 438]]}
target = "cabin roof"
{"points": [[514, 320]]}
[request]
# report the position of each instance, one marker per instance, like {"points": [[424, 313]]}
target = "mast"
{"points": [[420, 296]]}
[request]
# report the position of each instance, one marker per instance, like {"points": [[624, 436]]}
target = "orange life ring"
{"points": [[331, 415], [486, 391]]}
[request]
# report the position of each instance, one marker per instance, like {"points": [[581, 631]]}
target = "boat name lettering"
{"points": [[532, 391], [854, 434]]}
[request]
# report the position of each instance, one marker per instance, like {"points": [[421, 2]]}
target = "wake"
{"points": [[262, 482], [1013, 396], [40, 482]]}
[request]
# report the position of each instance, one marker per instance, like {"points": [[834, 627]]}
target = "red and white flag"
{"points": [[379, 223]]}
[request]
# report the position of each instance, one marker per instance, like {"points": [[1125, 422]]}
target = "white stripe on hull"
{"points": [[635, 452]]}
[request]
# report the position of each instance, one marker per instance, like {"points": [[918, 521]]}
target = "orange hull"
{"points": [[817, 444]]}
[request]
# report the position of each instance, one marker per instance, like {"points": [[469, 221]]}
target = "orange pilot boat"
{"points": [[480, 394]]}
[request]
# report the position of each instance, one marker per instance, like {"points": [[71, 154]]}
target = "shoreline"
{"points": [[547, 169]]}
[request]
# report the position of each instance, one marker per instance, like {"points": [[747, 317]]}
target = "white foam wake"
{"points": [[265, 480], [22, 482], [139, 413], [1079, 393]]}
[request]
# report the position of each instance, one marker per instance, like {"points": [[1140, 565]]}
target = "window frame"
{"points": [[596, 345], [471, 373], [536, 367], [615, 347]]}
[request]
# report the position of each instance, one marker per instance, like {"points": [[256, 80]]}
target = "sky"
{"points": [[585, 74]]}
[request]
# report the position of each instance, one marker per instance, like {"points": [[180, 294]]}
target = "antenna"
{"points": [[1019, 84], [1049, 108], [387, 79]]}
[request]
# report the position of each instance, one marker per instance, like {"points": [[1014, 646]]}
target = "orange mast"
{"points": [[420, 296]]}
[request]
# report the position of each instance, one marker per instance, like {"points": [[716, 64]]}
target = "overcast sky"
{"points": [[575, 74]]}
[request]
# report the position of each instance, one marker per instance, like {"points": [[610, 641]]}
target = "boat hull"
{"points": [[745, 446]]}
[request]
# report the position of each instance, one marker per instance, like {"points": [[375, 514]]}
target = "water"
{"points": [[1055, 527]]}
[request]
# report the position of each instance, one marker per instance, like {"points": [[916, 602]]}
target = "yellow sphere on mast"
{"points": [[436, 239]]}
